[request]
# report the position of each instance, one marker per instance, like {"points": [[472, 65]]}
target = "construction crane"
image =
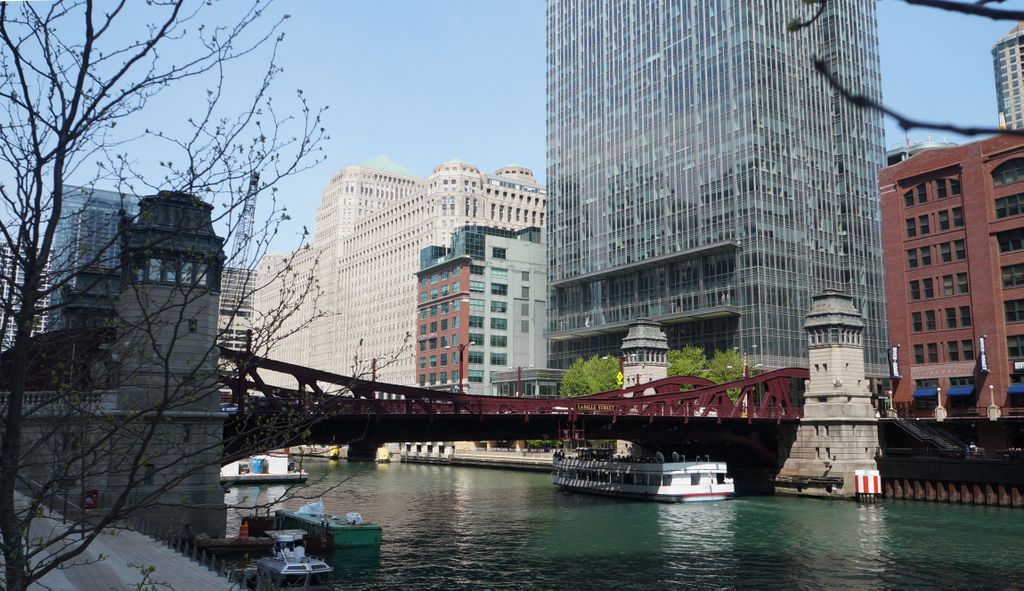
{"points": [[243, 234]]}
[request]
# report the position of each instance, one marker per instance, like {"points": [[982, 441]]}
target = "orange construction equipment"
{"points": [[243, 531]]}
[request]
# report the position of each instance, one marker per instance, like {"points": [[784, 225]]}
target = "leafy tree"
{"points": [[726, 366], [688, 361], [590, 376], [95, 94]]}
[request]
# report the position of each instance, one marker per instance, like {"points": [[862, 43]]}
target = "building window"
{"points": [[423, 328], [423, 362], [1011, 240], [499, 306], [947, 286], [433, 361], [929, 288], [922, 224], [946, 252], [475, 357], [476, 305], [1008, 172], [940, 188], [456, 287], [1013, 276], [1008, 206], [444, 308], [499, 359], [499, 323], [444, 359], [933, 352], [926, 256], [444, 342], [423, 345], [498, 340], [1015, 346], [433, 379], [908, 199], [968, 349], [423, 379], [433, 311], [476, 376], [929, 320], [953, 351], [433, 327], [911, 261], [943, 221], [496, 272], [960, 249], [476, 270], [922, 193], [497, 253], [525, 292], [476, 337], [911, 227], [918, 353], [526, 275], [524, 326], [915, 322], [476, 286], [444, 324], [950, 318], [499, 289], [456, 322], [476, 321], [954, 187], [193, 325], [1014, 310], [961, 283], [444, 377], [958, 217], [423, 312], [455, 376], [965, 315], [433, 293]]}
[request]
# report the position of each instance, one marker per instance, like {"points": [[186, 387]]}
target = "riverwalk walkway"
{"points": [[124, 560]]}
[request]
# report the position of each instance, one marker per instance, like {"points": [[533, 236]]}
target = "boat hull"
{"points": [[660, 498], [325, 534]]}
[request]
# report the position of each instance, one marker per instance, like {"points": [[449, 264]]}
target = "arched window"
{"points": [[1008, 172]]}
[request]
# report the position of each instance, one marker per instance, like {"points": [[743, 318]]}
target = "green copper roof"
{"points": [[385, 164]]}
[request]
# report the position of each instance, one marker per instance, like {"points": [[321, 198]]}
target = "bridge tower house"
{"points": [[170, 285], [644, 353], [839, 430]]}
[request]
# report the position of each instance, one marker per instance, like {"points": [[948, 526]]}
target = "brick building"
{"points": [[953, 236]]}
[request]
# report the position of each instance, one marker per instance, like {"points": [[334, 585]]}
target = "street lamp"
{"points": [[462, 363]]}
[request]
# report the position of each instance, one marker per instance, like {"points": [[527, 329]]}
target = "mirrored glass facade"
{"points": [[701, 173]]}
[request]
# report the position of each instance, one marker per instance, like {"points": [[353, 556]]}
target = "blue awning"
{"points": [[960, 391], [1016, 389], [925, 392]]}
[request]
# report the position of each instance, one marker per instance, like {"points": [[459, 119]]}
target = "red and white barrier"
{"points": [[868, 482]]}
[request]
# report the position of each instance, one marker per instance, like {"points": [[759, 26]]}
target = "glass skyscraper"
{"points": [[701, 173], [1008, 63]]}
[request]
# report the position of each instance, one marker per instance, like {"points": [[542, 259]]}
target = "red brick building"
{"points": [[953, 237]]}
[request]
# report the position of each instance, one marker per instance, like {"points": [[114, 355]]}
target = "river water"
{"points": [[471, 528]]}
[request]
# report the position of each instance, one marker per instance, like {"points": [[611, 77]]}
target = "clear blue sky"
{"points": [[426, 81]]}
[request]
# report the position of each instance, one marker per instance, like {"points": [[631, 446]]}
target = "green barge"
{"points": [[330, 532]]}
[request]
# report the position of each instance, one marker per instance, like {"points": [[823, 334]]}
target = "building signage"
{"points": [[595, 407], [894, 362], [982, 356], [1018, 366]]}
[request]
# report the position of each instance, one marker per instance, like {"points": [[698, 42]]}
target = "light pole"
{"points": [[462, 363]]}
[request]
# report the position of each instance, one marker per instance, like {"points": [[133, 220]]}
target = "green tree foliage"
{"points": [[590, 376], [726, 366], [688, 361]]}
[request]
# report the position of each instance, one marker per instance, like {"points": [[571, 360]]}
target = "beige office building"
{"points": [[372, 223]]}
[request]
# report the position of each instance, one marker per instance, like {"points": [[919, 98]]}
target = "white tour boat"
{"points": [[597, 471], [289, 567]]}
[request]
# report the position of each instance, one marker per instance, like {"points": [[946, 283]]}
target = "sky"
{"points": [[425, 81]]}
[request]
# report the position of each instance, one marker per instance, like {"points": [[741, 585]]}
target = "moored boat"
{"points": [[598, 471], [330, 532], [290, 567]]}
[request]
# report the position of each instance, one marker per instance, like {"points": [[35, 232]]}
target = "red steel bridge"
{"points": [[344, 409]]}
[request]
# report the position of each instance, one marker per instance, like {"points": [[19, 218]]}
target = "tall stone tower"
{"points": [[168, 455], [839, 431], [644, 353]]}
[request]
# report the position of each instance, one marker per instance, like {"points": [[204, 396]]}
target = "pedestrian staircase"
{"points": [[934, 437]]}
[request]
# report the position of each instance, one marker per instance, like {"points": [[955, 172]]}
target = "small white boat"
{"points": [[289, 567], [599, 472]]}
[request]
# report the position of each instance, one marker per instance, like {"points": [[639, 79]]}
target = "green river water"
{"points": [[471, 528]]}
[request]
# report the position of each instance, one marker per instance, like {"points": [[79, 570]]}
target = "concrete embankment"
{"points": [[514, 460], [121, 559]]}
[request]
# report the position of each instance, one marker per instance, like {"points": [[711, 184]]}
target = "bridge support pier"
{"points": [[839, 432]]}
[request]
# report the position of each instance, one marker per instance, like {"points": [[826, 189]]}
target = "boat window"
{"points": [[666, 479], [617, 477], [695, 478], [294, 581], [720, 478]]}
